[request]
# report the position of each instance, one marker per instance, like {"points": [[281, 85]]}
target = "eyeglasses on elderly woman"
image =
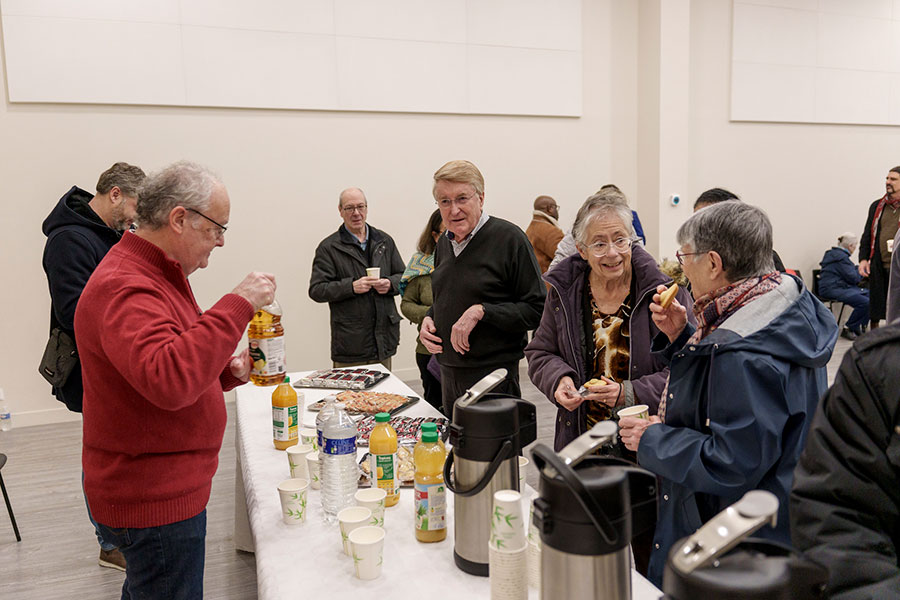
{"points": [[601, 248]]}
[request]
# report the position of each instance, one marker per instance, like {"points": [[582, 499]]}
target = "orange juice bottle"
{"points": [[266, 338], [431, 495], [383, 458], [284, 415]]}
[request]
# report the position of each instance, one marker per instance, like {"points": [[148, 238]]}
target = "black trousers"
{"points": [[430, 385], [456, 380]]}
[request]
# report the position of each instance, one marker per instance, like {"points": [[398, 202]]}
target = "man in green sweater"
{"points": [[487, 288]]}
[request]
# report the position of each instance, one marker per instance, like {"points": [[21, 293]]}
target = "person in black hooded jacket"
{"points": [[845, 501]]}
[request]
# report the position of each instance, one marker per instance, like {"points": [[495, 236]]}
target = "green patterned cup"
{"points": [[350, 519], [293, 500], [367, 550]]}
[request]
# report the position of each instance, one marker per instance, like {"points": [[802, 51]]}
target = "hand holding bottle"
{"points": [[257, 288]]}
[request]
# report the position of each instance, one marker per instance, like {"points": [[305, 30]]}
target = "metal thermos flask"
{"points": [[487, 435], [589, 509], [718, 563]]}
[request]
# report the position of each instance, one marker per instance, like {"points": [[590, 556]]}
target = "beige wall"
{"points": [[283, 170]]}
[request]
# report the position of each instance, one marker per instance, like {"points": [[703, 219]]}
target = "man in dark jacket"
{"points": [[845, 503], [876, 245], [80, 231], [365, 324]]}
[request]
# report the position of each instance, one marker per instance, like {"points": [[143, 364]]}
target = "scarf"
{"points": [[543, 215], [419, 264], [876, 218], [714, 308]]}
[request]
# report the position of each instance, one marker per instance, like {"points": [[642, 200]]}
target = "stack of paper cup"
{"points": [[534, 551], [508, 548], [350, 519], [296, 456]]}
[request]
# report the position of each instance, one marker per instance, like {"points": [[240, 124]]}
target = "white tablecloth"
{"points": [[307, 561]]}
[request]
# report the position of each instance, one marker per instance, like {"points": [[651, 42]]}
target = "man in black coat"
{"points": [[365, 324], [80, 230], [845, 503], [876, 245]]}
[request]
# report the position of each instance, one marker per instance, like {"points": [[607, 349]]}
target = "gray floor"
{"points": [[57, 557]]}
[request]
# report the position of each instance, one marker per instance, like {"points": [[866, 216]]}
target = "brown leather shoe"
{"points": [[112, 559]]}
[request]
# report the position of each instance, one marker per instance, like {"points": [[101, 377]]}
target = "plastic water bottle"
{"points": [[5, 416], [339, 471], [324, 415]]}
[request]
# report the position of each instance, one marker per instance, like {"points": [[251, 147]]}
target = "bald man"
{"points": [[544, 232]]}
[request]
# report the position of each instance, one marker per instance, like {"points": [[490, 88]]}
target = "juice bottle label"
{"points": [[385, 468], [431, 506], [267, 356], [284, 423], [340, 446]]}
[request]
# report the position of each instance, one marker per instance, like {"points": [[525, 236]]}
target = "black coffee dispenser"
{"points": [[717, 563], [590, 508], [487, 434]]}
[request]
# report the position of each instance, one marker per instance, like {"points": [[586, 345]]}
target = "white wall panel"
{"points": [[155, 11], [758, 91], [896, 11], [145, 66], [877, 9], [299, 16], [422, 20], [400, 76], [246, 68], [894, 101], [526, 23], [530, 81], [852, 96], [798, 4], [855, 43], [790, 35]]}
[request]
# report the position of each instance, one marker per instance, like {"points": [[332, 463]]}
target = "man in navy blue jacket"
{"points": [[80, 230]]}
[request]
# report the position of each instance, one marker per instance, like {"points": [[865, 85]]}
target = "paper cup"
{"points": [[350, 519], [293, 500], [373, 499], [523, 467], [374, 272], [533, 561], [641, 411], [310, 436], [367, 550], [508, 574], [507, 523], [296, 456], [312, 463]]}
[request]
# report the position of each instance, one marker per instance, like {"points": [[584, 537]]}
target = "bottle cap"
{"points": [[382, 417], [287, 379], [429, 437], [429, 427]]}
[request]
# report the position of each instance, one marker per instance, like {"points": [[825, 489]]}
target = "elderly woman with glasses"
{"points": [[743, 384], [596, 323]]}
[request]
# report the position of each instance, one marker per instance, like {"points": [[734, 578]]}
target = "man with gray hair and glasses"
{"points": [[155, 367], [80, 230], [743, 385]]}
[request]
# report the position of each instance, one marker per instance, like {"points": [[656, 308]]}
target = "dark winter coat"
{"points": [[738, 408], [878, 275], [364, 327], [560, 348], [77, 240], [845, 504], [838, 273]]}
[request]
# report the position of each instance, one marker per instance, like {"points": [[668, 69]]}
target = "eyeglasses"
{"points": [[222, 228], [680, 255], [601, 249], [354, 208], [458, 201]]}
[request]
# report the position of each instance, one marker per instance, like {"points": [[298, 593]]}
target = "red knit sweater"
{"points": [[154, 369]]}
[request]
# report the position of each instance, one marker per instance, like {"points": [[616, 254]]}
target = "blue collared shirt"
{"points": [[363, 243]]}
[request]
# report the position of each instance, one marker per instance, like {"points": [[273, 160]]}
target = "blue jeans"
{"points": [[104, 545], [857, 298], [162, 562]]}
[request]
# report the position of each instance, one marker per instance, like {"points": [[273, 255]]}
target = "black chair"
{"points": [[829, 302], [12, 517]]}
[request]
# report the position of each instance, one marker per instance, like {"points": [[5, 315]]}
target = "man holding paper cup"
{"points": [[743, 385], [357, 271]]}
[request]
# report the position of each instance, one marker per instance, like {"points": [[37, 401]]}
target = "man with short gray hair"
{"points": [[80, 230], [155, 367]]}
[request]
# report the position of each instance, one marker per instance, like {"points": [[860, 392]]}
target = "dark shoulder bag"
{"points": [[60, 358]]}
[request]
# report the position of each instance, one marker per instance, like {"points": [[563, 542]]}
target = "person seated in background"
{"points": [[544, 232], [567, 245], [743, 385], [845, 503], [716, 195], [839, 280], [415, 288]]}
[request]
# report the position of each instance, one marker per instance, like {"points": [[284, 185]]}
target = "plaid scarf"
{"points": [[714, 308], [876, 218]]}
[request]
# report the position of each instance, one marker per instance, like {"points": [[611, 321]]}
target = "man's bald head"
{"points": [[548, 205]]}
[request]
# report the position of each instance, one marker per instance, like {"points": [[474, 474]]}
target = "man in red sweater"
{"points": [[155, 366]]}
